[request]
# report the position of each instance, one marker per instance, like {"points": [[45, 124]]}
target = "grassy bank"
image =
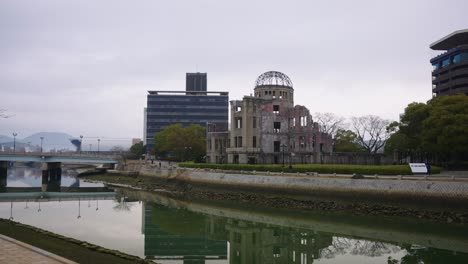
{"points": [[73, 249], [320, 168]]}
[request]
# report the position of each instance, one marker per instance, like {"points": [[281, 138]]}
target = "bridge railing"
{"points": [[62, 154]]}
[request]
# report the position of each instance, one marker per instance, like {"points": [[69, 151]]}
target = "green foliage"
{"points": [[346, 141], [137, 150], [181, 143], [320, 168], [445, 130], [439, 127]]}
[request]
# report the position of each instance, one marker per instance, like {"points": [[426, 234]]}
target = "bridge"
{"points": [[57, 157], [51, 165], [52, 162]]}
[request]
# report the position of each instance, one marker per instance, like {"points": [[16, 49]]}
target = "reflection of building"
{"points": [[193, 106], [178, 234], [450, 69], [256, 243], [268, 128], [182, 234]]}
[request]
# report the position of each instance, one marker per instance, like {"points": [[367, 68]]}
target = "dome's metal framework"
{"points": [[273, 78]]}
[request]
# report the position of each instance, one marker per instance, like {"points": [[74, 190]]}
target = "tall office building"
{"points": [[195, 82], [450, 69], [165, 108]]}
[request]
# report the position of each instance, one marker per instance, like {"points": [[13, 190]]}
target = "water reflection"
{"points": [[154, 226]]}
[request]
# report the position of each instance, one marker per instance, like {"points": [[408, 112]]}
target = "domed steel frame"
{"points": [[273, 78]]}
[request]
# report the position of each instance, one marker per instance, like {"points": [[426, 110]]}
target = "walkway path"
{"points": [[15, 252]]}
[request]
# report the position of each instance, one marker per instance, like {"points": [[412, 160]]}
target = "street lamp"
{"points": [[98, 141], [14, 141], [81, 142], [42, 139]]}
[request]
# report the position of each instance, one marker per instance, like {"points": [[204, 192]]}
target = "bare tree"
{"points": [[329, 123], [372, 131]]}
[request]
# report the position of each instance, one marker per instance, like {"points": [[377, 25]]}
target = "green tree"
{"points": [[438, 128], [346, 141], [445, 130], [181, 143], [137, 150]]}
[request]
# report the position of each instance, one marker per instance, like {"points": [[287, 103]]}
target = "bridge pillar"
{"points": [[3, 173], [51, 176]]}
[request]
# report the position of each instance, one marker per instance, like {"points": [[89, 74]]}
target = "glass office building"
{"points": [[450, 69], [166, 108]]}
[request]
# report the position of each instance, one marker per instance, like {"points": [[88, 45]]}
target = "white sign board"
{"points": [[418, 168]]}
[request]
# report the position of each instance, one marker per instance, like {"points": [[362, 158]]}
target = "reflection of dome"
{"points": [[273, 78]]}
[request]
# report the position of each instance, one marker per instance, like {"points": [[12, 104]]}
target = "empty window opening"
{"points": [[254, 141], [254, 122], [238, 108], [276, 127], [275, 109], [303, 121], [276, 146], [238, 122]]}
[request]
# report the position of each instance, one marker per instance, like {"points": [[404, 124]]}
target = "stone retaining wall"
{"points": [[382, 188]]}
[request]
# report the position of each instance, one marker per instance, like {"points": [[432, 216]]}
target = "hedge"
{"points": [[319, 168]]}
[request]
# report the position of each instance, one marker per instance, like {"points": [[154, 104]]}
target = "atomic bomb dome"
{"points": [[273, 78]]}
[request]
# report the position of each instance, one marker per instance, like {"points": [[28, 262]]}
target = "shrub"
{"points": [[320, 168]]}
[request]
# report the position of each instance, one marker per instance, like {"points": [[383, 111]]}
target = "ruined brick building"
{"points": [[268, 128]]}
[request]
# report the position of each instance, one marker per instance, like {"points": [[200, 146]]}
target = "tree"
{"points": [[137, 150], [445, 129], [372, 131], [346, 141], [181, 143], [438, 128], [329, 123]]}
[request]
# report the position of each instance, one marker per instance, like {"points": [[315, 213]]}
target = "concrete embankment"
{"points": [[407, 190]]}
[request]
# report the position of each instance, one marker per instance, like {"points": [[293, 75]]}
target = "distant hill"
{"points": [[52, 140]]}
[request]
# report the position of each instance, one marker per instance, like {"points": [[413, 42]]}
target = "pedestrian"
{"points": [[159, 164], [428, 167]]}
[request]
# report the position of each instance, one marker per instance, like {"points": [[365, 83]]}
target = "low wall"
{"points": [[387, 189]]}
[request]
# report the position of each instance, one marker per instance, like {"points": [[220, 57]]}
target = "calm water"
{"points": [[172, 231]]}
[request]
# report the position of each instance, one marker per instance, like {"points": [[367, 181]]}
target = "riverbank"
{"points": [[73, 249], [178, 185]]}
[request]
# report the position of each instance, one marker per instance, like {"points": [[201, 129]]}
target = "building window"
{"points": [[238, 122], [238, 108], [445, 63], [254, 122], [239, 142], [276, 127], [456, 58], [276, 146], [235, 142], [302, 142], [254, 141], [303, 121], [209, 144], [275, 109]]}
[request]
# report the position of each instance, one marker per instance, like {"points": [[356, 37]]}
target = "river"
{"points": [[154, 226]]}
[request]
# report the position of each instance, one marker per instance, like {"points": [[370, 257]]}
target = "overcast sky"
{"points": [[84, 67]]}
